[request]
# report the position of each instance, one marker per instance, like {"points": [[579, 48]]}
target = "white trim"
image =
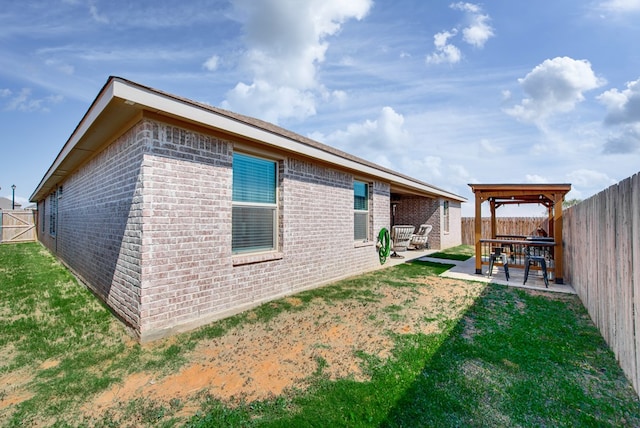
{"points": [[83, 126], [132, 94], [155, 101]]}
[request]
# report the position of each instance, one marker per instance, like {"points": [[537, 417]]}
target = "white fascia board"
{"points": [[179, 108], [95, 111]]}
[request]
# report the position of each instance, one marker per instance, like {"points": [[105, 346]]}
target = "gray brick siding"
{"points": [[99, 224], [415, 211], [147, 224]]}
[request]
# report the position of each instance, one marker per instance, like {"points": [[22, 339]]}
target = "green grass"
{"points": [[56, 337], [461, 252], [520, 360], [513, 359]]}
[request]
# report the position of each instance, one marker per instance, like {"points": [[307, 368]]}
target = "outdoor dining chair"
{"points": [[400, 238], [532, 257], [499, 254]]}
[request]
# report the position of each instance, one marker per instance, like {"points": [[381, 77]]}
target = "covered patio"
{"points": [[547, 244]]}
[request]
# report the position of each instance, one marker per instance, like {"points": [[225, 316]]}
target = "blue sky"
{"points": [[451, 93]]}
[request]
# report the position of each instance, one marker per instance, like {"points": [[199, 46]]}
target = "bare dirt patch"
{"points": [[264, 359], [13, 389]]}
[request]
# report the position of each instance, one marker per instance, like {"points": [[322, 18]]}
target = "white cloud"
{"points": [[381, 134], [625, 141], [535, 178], [587, 182], [478, 31], [621, 5], [466, 7], [389, 140], [440, 39], [24, 102], [555, 86], [93, 11], [487, 146], [286, 41], [60, 66], [4, 92], [590, 179], [445, 52], [269, 102], [340, 97], [623, 106], [623, 113], [212, 63]]}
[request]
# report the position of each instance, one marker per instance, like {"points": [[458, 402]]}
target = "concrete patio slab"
{"points": [[466, 270]]}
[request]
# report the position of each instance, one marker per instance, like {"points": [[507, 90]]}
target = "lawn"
{"points": [[396, 347], [461, 253]]}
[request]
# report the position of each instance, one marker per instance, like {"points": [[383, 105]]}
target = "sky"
{"points": [[450, 93]]}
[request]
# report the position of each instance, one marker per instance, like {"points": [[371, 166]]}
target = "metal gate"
{"points": [[17, 226]]}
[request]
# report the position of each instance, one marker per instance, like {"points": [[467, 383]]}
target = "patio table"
{"points": [[516, 249]]}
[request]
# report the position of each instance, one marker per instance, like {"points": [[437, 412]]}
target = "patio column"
{"points": [[492, 203]]}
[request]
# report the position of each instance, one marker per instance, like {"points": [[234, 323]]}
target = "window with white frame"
{"points": [[360, 211], [254, 209], [445, 216]]}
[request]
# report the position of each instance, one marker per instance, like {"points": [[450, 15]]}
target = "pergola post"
{"points": [[550, 220], [557, 236], [549, 195], [492, 203]]}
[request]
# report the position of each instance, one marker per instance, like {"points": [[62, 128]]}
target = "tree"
{"points": [[570, 202]]}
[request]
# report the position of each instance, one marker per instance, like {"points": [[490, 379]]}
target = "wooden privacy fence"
{"points": [[602, 263], [17, 226], [504, 226]]}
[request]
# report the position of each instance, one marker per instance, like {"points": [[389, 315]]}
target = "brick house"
{"points": [[178, 213]]}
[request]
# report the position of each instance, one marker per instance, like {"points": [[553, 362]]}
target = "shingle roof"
{"points": [[270, 127], [6, 204], [117, 89]]}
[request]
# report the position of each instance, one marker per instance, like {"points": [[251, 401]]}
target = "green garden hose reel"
{"points": [[383, 245]]}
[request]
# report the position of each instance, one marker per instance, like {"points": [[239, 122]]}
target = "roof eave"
{"points": [[137, 97]]}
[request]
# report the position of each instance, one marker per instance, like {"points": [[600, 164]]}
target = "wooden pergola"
{"points": [[549, 195]]}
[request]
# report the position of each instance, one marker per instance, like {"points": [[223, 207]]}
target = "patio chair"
{"points": [[400, 238], [531, 257], [420, 240], [498, 253]]}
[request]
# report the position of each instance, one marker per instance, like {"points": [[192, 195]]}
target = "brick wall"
{"points": [[415, 211], [190, 276], [147, 225], [187, 227], [99, 224]]}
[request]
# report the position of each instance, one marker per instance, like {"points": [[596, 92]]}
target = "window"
{"points": [[360, 211], [254, 209], [445, 216], [53, 213]]}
